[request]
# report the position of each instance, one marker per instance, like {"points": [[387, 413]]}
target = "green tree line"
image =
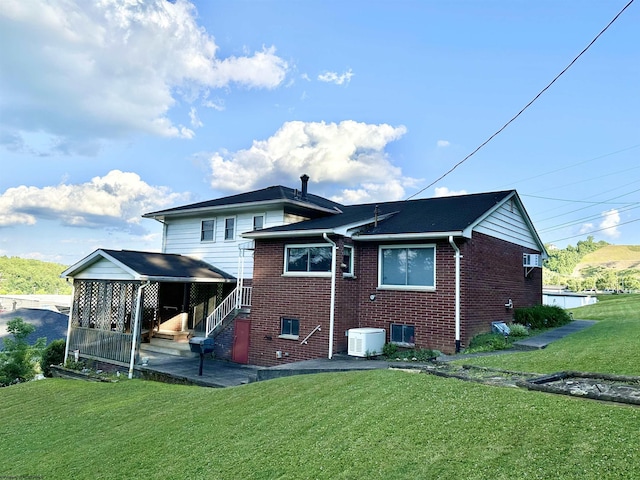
{"points": [[20, 276], [559, 267]]}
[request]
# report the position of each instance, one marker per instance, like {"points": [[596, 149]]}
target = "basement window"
{"points": [[403, 335], [289, 328]]}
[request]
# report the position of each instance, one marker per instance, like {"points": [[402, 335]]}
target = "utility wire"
{"points": [[526, 106], [593, 231]]}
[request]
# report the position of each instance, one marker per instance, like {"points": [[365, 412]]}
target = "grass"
{"points": [[610, 346], [372, 424]]}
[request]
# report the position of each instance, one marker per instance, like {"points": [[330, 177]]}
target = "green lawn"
{"points": [[610, 346], [354, 425]]}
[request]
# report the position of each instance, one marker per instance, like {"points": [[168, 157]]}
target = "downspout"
{"points": [[333, 292], [136, 327], [70, 322], [457, 301]]}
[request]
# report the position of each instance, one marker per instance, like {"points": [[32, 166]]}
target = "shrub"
{"points": [[53, 354], [518, 330], [541, 316], [389, 350], [487, 342]]}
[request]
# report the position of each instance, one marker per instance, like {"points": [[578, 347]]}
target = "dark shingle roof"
{"points": [[168, 265], [269, 194], [430, 215]]}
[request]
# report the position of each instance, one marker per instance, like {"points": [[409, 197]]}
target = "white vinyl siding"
{"points": [[103, 269], [182, 236], [508, 223]]}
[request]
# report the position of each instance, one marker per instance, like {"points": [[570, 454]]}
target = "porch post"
{"points": [[136, 327], [70, 321]]}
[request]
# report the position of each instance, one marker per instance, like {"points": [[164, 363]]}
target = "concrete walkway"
{"points": [[220, 374], [544, 339]]}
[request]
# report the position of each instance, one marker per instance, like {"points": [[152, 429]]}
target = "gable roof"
{"points": [[143, 266], [442, 215], [411, 219], [258, 198]]}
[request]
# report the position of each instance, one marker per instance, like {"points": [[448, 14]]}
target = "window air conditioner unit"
{"points": [[363, 341], [531, 260]]}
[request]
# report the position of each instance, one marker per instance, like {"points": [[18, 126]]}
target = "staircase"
{"points": [[236, 301]]}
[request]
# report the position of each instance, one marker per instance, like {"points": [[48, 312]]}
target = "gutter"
{"points": [[457, 300], [333, 293]]}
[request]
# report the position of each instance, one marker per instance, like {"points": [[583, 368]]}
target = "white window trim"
{"points": [[351, 273], [286, 273], [235, 227], [264, 221], [413, 288], [215, 224]]}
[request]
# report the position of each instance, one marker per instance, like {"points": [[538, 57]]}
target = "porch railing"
{"points": [[101, 343], [238, 298]]}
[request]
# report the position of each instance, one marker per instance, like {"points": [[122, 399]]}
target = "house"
{"points": [[430, 272]]}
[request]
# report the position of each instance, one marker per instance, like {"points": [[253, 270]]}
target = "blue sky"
{"points": [[112, 109]]}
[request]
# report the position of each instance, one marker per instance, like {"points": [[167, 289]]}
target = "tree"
{"points": [[18, 359]]}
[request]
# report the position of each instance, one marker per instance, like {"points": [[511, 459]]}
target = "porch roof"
{"points": [[145, 266]]}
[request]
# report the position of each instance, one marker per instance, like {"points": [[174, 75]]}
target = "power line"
{"points": [[594, 231], [526, 106]]}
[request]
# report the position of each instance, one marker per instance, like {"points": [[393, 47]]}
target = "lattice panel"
{"points": [[104, 305]]}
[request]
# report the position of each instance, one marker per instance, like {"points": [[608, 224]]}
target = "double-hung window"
{"points": [[258, 222], [407, 267], [307, 259], [207, 230], [229, 228]]}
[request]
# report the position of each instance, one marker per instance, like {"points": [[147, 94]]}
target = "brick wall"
{"points": [[304, 298], [432, 313], [492, 273]]}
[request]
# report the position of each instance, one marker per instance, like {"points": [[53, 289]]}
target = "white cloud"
{"points": [[195, 120], [334, 77], [111, 68], [347, 156], [116, 200], [610, 223], [445, 192], [443, 143]]}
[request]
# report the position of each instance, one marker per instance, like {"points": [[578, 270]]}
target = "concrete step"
{"points": [[171, 335], [167, 347]]}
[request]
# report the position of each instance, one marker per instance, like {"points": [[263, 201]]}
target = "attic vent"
{"points": [[531, 260]]}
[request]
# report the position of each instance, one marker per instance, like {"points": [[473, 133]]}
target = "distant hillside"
{"points": [[20, 276], [615, 257]]}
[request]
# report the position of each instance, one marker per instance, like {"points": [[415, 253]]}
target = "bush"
{"points": [[389, 350], [487, 342], [541, 316], [518, 330], [53, 354]]}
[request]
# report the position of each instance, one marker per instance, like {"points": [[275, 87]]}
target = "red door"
{"points": [[240, 352]]}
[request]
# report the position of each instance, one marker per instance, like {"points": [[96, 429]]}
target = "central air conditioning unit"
{"points": [[366, 341], [531, 260]]}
